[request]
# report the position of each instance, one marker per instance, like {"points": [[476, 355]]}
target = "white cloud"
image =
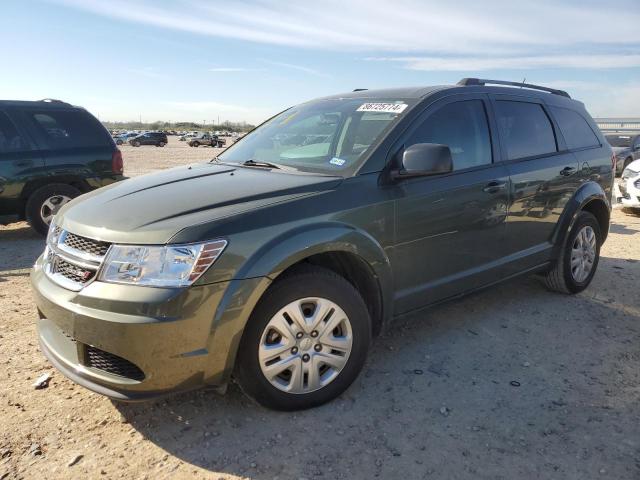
{"points": [[478, 63], [232, 69], [493, 28], [300, 68]]}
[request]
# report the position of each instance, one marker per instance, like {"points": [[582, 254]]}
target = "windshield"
{"points": [[323, 136], [619, 140]]}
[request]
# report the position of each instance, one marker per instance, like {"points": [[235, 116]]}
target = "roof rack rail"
{"points": [[360, 89], [482, 81], [52, 100]]}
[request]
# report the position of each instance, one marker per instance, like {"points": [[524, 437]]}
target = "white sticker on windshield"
{"points": [[382, 107], [337, 161]]}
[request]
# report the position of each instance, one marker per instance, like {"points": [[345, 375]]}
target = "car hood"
{"points": [[619, 150], [152, 208]]}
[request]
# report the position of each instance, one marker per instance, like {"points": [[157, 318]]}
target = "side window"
{"points": [[463, 127], [525, 129], [10, 139], [69, 128], [575, 129]]}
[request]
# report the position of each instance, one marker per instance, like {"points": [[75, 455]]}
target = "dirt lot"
{"points": [[511, 383]]}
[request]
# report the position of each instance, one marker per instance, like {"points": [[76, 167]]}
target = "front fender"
{"points": [[587, 192]]}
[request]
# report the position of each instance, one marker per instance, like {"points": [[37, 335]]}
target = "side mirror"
{"points": [[424, 159]]}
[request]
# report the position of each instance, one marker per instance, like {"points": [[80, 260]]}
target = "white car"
{"points": [[627, 190]]}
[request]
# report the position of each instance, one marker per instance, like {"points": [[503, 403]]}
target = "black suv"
{"points": [[279, 260], [158, 139], [51, 152]]}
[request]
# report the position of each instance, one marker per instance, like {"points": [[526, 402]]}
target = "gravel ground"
{"points": [[510, 383]]}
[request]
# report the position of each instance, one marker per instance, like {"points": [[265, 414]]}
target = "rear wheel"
{"points": [[161, 144], [45, 202], [305, 342], [136, 143], [195, 144], [579, 257]]}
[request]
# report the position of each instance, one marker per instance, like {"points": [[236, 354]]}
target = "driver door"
{"points": [[450, 228]]}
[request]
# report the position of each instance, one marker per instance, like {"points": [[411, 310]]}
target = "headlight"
{"points": [[160, 266], [54, 233]]}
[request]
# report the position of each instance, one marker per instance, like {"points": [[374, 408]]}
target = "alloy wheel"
{"points": [[583, 254], [51, 206]]}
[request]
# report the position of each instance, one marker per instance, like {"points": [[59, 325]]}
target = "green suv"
{"points": [[50, 153], [277, 263]]}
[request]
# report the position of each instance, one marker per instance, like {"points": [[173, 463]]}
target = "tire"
{"points": [[56, 195], [119, 142], [561, 278], [136, 143], [195, 144], [160, 144], [308, 284]]}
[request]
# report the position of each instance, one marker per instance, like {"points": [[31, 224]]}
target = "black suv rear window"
{"points": [[69, 128], [525, 129], [575, 129], [10, 139]]}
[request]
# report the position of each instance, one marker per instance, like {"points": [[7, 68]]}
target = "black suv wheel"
{"points": [[579, 258], [305, 342], [45, 202]]}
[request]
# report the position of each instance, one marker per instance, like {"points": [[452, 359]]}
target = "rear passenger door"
{"points": [[72, 142], [20, 162], [450, 228], [544, 177]]}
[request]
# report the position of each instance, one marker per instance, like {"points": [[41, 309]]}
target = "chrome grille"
{"points": [[70, 271], [113, 364], [86, 245], [73, 261]]}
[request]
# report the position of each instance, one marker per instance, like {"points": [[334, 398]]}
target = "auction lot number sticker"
{"points": [[382, 107]]}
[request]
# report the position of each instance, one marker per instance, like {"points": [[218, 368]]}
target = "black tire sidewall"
{"points": [[37, 198], [330, 286], [584, 219]]}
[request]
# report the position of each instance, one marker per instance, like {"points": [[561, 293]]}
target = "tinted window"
{"points": [[525, 129], [575, 129], [10, 139], [68, 128], [463, 127]]}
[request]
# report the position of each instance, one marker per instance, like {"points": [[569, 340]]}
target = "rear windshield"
{"points": [[619, 140], [69, 128], [323, 136]]}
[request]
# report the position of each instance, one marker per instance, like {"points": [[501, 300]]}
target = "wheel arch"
{"points": [[346, 250], [37, 183], [590, 197]]}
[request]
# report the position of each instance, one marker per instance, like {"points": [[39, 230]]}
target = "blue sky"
{"points": [[245, 60]]}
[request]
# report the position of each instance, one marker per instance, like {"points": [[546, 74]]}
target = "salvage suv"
{"points": [[278, 262], [51, 152]]}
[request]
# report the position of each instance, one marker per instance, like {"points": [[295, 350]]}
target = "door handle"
{"points": [[495, 186], [566, 171]]}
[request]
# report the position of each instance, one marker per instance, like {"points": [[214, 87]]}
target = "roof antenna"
{"points": [[524, 80]]}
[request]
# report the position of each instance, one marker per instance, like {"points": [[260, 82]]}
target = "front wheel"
{"points": [[305, 342], [579, 257], [160, 144]]}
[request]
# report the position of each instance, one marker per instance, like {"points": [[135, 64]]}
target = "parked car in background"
{"points": [[186, 136], [627, 190], [626, 147], [206, 139], [158, 139], [281, 259], [124, 137], [50, 153]]}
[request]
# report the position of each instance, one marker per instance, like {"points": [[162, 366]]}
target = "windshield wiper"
{"points": [[253, 163]]}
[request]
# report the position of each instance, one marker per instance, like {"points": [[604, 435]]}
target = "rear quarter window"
{"points": [[69, 128], [525, 129], [575, 129]]}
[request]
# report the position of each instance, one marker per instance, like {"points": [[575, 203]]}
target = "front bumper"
{"points": [[175, 339], [626, 193]]}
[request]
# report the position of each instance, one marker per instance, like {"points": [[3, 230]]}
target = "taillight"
{"points": [[117, 165]]}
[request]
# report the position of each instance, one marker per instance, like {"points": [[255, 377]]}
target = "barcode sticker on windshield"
{"points": [[382, 107]]}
